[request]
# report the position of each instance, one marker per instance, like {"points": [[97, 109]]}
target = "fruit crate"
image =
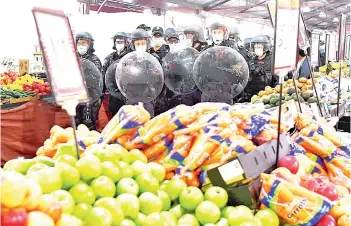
{"points": [[241, 175]]}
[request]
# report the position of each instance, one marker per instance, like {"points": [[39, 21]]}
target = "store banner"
{"points": [[342, 37], [332, 48], [315, 50], [61, 59], [286, 36]]}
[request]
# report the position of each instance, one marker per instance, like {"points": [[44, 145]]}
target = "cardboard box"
{"points": [[241, 176]]}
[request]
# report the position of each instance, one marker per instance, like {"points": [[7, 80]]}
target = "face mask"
{"points": [[82, 50], [259, 52], [119, 47], [140, 49], [157, 42], [172, 47], [189, 42], [217, 39]]}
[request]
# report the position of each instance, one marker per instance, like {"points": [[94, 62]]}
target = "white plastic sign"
{"points": [[342, 37], [332, 48], [60, 55], [315, 49]]}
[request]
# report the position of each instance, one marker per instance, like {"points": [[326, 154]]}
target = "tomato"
{"points": [[35, 85], [48, 89], [26, 88], [46, 84], [36, 91], [326, 220], [42, 89], [328, 190]]}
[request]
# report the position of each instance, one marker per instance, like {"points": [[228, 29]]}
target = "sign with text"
{"points": [[342, 37], [23, 67], [286, 36], [315, 49], [60, 56], [7, 63], [332, 48]]}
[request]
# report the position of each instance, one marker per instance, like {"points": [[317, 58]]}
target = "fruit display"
{"points": [[27, 82], [149, 171]]}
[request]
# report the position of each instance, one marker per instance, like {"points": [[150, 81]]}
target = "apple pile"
{"points": [[109, 185]]}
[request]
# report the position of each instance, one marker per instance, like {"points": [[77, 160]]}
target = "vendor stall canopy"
{"points": [[318, 14]]}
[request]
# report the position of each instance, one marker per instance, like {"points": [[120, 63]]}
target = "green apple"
{"points": [[140, 219], [69, 175], [33, 195], [20, 165], [66, 149], [209, 224], [258, 221], [163, 184], [106, 153], [134, 155], [150, 203], [36, 167], [188, 219], [223, 222], [115, 209], [109, 169], [65, 199], [67, 219], [129, 204], [155, 219], [240, 215], [98, 216], [13, 189], [208, 212], [178, 211], [226, 210], [127, 222], [82, 210], [127, 185], [69, 159], [126, 169], [251, 223], [122, 152], [49, 179], [147, 183], [217, 195], [157, 171], [170, 220], [89, 167], [103, 187], [268, 217], [38, 218], [190, 198], [139, 167], [82, 193], [44, 160], [174, 187], [166, 201]]}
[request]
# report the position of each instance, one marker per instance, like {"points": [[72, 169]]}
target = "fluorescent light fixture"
{"points": [[172, 5], [336, 19], [306, 9]]}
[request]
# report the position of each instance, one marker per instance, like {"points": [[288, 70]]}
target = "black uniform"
{"points": [[261, 75], [93, 58], [161, 52]]}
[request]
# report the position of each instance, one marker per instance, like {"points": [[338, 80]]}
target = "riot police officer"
{"points": [[247, 44], [195, 38], [158, 45], [220, 36], [144, 27], [172, 40], [169, 31], [260, 67], [85, 48]]}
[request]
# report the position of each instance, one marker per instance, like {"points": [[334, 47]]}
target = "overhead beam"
{"points": [[253, 6], [216, 5]]}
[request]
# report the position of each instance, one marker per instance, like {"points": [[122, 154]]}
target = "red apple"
{"points": [[310, 184], [42, 89], [36, 91], [48, 89], [322, 179], [49, 205], [46, 84], [326, 220], [290, 163], [13, 217], [328, 190]]}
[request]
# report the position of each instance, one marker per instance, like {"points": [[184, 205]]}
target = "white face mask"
{"points": [[218, 39], [259, 52], [188, 42], [119, 47], [157, 41], [140, 49], [82, 50], [173, 47]]}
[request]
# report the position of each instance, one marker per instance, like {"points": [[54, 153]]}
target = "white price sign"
{"points": [[60, 55], [286, 32]]}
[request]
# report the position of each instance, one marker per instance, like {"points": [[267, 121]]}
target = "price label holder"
{"points": [[23, 67], [61, 61]]}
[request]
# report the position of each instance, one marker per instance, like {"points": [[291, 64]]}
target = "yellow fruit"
{"points": [[290, 81], [299, 85], [267, 88], [303, 80], [285, 91], [261, 93]]}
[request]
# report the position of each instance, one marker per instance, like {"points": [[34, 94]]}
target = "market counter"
{"points": [[25, 128]]}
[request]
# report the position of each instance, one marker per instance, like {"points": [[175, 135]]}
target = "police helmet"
{"points": [[196, 31], [140, 34], [119, 35], [86, 36]]}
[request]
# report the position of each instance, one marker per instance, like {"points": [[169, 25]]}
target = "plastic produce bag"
{"points": [[164, 124], [317, 144], [293, 203], [127, 121]]}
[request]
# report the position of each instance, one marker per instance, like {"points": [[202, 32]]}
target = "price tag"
{"points": [[7, 64], [23, 67], [60, 56], [231, 172]]}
